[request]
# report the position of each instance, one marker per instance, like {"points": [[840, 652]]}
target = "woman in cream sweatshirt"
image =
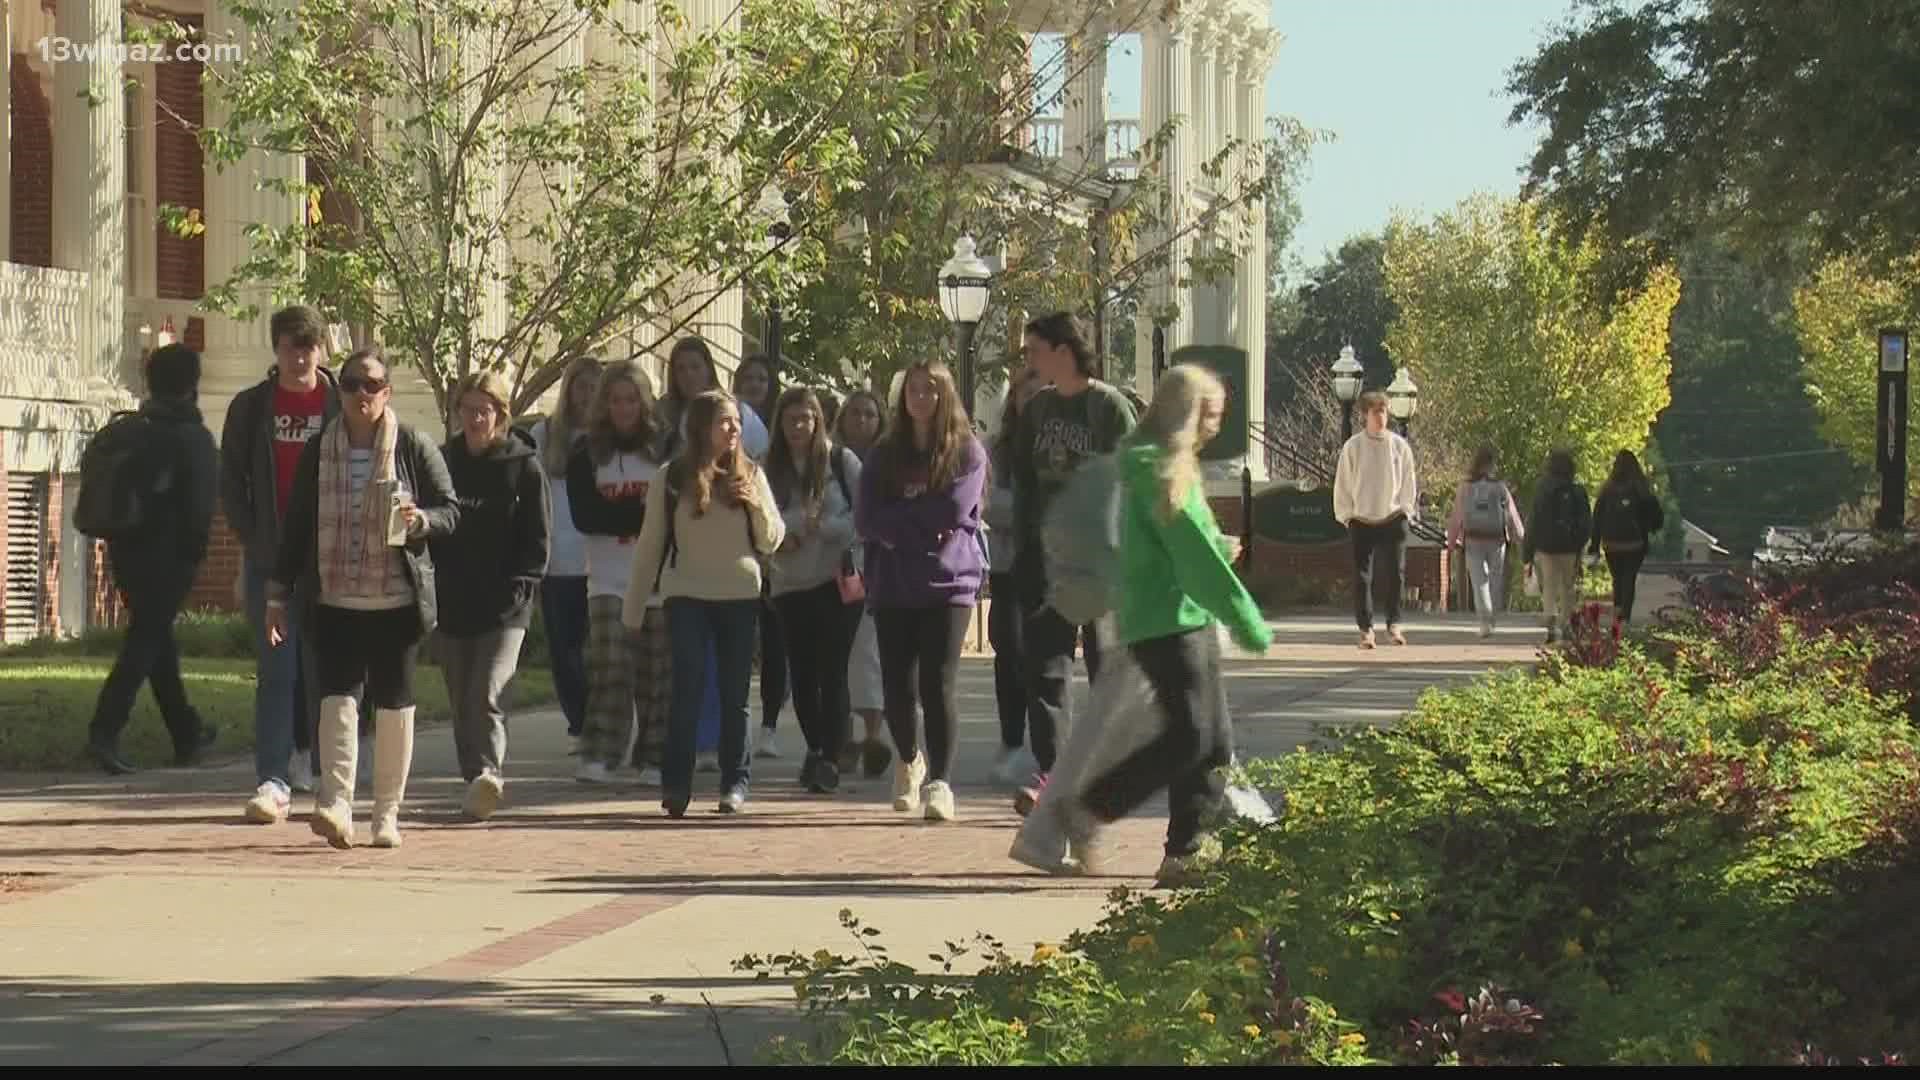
{"points": [[704, 539], [1375, 495]]}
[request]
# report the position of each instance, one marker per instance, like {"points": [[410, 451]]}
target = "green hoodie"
{"points": [[1175, 575]]}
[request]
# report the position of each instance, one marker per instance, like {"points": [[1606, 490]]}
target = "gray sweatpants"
{"points": [[478, 670]]}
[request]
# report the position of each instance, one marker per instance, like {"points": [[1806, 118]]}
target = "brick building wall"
{"points": [[179, 173], [30, 144]]}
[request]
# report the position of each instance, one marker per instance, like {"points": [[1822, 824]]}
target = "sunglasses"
{"points": [[357, 384]]}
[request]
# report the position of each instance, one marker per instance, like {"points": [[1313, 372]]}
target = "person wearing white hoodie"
{"points": [[1376, 496]]}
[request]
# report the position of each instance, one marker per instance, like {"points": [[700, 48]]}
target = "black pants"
{"points": [[819, 628], [1195, 743], [773, 665], [1005, 621], [367, 654], [1048, 640], [1368, 542], [919, 664], [148, 655], [1625, 568]]}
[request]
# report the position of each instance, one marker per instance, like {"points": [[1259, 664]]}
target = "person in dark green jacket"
{"points": [[1176, 582]]}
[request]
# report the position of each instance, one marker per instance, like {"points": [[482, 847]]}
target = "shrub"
{"points": [[1622, 864]]}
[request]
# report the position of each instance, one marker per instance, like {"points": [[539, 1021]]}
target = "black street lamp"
{"points": [[1890, 431], [1403, 399], [1347, 378], [966, 282]]}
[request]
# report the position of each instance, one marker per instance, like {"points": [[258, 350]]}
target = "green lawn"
{"points": [[47, 702]]}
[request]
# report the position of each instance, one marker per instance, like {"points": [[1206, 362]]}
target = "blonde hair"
{"points": [[560, 426], [1172, 422], [602, 439], [493, 386]]}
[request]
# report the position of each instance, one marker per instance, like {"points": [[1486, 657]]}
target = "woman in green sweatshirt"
{"points": [[1177, 581]]}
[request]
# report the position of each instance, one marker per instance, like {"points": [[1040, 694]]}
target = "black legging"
{"points": [[773, 665], [822, 627], [1625, 568], [920, 662], [1004, 626]]}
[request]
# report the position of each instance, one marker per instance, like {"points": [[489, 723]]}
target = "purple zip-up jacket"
{"points": [[923, 550]]}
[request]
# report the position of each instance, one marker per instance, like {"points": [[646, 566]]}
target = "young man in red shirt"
{"points": [[267, 427]]}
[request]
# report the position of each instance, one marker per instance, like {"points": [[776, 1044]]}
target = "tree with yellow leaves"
{"points": [[1837, 316]]}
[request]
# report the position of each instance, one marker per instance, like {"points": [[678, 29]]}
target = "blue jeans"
{"points": [[285, 690], [725, 630], [563, 614]]}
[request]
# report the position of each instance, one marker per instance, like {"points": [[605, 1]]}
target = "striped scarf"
{"points": [[374, 573]]}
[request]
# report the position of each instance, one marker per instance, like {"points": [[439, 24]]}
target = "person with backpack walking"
{"points": [[1485, 520], [860, 426], [266, 429], [629, 662], [498, 556], [756, 387], [1559, 527], [369, 495], [1626, 514], [1177, 587], [709, 526], [919, 515], [563, 592], [1075, 418], [147, 483], [1376, 495], [818, 591], [1012, 763]]}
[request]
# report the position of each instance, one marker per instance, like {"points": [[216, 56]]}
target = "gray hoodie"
{"points": [[809, 560]]}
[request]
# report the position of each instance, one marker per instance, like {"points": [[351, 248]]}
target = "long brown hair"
{"points": [[952, 432], [782, 470], [697, 463], [1627, 476], [560, 426], [840, 419], [602, 439]]}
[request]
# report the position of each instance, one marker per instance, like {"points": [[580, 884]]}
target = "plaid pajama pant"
{"points": [[629, 680]]}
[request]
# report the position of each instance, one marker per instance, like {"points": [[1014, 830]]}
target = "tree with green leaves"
{"points": [[1737, 366], [1774, 122], [1512, 346], [1838, 315]]}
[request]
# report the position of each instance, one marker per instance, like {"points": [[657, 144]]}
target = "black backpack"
{"points": [[1568, 520], [1621, 521], [124, 474]]}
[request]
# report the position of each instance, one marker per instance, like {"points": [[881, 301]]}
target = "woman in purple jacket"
{"points": [[919, 517]]}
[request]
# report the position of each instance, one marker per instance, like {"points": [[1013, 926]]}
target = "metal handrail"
{"points": [[1322, 474]]}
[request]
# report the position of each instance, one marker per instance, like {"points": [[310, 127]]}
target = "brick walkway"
{"points": [[154, 890]]}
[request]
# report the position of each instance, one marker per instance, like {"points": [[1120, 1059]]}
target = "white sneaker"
{"points": [[268, 805], [907, 779], [483, 795], [650, 777], [593, 772], [769, 744], [300, 773], [574, 744], [938, 797], [707, 762]]}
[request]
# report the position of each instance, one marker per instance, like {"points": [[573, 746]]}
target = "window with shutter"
{"points": [[21, 617]]}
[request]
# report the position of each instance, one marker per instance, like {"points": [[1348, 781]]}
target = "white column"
{"points": [[1181, 170], [1255, 61], [1154, 46], [6, 133], [1085, 112], [90, 187], [719, 321], [237, 196]]}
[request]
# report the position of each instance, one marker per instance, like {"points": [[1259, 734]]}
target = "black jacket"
{"points": [[169, 549], [593, 513], [1631, 519], [420, 466], [499, 553], [247, 476]]}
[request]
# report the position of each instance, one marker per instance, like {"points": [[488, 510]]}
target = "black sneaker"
{"points": [[809, 768], [107, 756], [187, 756], [826, 778], [875, 756], [676, 805]]}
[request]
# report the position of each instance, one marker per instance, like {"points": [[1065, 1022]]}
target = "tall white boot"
{"points": [[392, 760], [338, 736]]}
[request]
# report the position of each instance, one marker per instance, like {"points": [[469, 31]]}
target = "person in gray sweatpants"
{"points": [[490, 568]]}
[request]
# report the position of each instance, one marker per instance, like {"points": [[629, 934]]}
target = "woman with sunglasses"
{"points": [[368, 494]]}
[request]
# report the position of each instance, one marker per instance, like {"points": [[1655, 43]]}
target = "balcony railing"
{"points": [[40, 311], [1046, 138]]}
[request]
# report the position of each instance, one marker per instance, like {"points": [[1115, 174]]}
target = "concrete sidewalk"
{"points": [[142, 921]]}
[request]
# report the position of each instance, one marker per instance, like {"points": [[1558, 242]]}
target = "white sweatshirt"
{"points": [[1374, 480]]}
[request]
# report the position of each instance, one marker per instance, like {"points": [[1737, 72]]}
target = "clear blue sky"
{"points": [[1411, 90]]}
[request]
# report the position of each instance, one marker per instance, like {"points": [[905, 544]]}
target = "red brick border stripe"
{"points": [[269, 1040]]}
